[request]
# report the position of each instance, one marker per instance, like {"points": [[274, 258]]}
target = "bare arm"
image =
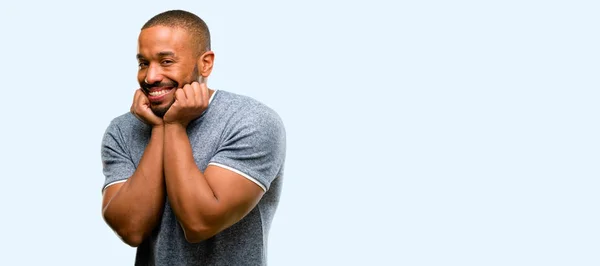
{"points": [[134, 208], [204, 203]]}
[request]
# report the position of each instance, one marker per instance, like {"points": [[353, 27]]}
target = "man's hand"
{"points": [[190, 102], [141, 109]]}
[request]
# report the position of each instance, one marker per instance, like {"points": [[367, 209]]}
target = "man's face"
{"points": [[167, 60]]}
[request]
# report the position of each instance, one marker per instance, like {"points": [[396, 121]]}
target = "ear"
{"points": [[205, 63]]}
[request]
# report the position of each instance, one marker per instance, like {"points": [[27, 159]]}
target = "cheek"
{"points": [[189, 71], [141, 76], [180, 78], [191, 76]]}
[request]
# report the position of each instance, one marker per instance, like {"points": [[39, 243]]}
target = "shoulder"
{"points": [[125, 122], [245, 110], [124, 127]]}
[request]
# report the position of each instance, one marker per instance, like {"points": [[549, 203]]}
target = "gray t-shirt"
{"points": [[235, 132]]}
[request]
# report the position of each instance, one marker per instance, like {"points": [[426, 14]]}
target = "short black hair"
{"points": [[185, 20]]}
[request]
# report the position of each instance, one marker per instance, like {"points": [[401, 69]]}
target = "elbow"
{"points": [[202, 226], [131, 239], [129, 233], [198, 233]]}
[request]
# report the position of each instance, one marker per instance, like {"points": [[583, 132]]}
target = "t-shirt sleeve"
{"points": [[254, 147], [117, 165]]}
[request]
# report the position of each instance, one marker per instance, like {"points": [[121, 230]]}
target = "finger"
{"points": [[198, 98], [136, 97], [144, 99], [141, 99], [205, 93], [186, 91], [135, 105], [136, 94], [189, 93], [179, 96]]}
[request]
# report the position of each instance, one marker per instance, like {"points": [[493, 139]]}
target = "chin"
{"points": [[160, 111]]}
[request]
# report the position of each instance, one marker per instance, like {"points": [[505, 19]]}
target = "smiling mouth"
{"points": [[159, 92], [157, 95]]}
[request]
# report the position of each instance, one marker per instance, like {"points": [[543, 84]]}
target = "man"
{"points": [[193, 175]]}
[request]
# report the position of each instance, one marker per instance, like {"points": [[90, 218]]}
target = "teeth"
{"points": [[158, 93]]}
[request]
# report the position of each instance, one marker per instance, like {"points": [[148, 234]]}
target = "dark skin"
{"points": [[204, 203]]}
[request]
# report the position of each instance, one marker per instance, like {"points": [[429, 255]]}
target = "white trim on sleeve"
{"points": [[113, 183], [212, 96], [240, 173]]}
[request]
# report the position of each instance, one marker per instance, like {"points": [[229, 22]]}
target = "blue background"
{"points": [[419, 132]]}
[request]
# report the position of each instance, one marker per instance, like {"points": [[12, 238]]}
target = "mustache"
{"points": [[149, 86]]}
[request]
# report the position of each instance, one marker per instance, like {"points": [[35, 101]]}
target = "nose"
{"points": [[153, 75]]}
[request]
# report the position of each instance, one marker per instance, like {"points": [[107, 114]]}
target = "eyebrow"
{"points": [[160, 54], [166, 53]]}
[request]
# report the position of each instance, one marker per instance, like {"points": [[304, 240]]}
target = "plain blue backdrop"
{"points": [[419, 132]]}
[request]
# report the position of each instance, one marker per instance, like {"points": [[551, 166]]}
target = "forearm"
{"points": [[135, 210], [190, 195]]}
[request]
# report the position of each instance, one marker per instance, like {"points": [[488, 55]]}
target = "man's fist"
{"points": [[141, 109], [190, 102]]}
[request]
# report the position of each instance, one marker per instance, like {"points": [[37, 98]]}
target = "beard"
{"points": [[160, 111]]}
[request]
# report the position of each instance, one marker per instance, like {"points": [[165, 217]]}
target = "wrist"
{"points": [[157, 133], [174, 126], [158, 128]]}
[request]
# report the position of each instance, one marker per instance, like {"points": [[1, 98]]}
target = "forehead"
{"points": [[161, 38]]}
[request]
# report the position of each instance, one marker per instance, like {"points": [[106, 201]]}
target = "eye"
{"points": [[166, 62], [142, 65]]}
